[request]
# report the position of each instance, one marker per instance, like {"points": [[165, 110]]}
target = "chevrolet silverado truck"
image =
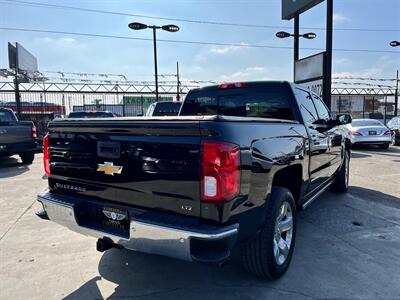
{"points": [[231, 171], [17, 137]]}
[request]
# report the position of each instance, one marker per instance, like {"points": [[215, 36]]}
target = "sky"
{"points": [[134, 58]]}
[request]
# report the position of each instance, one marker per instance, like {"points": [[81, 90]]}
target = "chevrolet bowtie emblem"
{"points": [[109, 169]]}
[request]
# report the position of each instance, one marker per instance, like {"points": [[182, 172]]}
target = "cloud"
{"points": [[221, 50], [340, 61], [366, 73], [60, 42], [68, 40], [340, 18], [250, 73]]}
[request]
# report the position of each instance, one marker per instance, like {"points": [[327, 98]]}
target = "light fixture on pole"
{"points": [[394, 43], [169, 28], [284, 34]]}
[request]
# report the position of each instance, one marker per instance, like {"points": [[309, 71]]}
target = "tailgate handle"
{"points": [[109, 149]]}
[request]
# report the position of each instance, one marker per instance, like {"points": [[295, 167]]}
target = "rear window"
{"points": [[6, 116], [95, 114], [358, 123], [167, 109], [260, 103]]}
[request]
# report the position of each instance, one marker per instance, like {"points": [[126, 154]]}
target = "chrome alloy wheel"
{"points": [[283, 233]]}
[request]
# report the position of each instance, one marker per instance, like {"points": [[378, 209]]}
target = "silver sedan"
{"points": [[369, 131]]}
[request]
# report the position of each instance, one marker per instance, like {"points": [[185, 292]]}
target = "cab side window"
{"points": [[307, 108], [323, 112]]}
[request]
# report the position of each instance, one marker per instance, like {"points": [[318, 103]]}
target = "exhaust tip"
{"points": [[41, 213], [105, 244]]}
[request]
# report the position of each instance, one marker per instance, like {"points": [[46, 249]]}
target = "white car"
{"points": [[369, 131]]}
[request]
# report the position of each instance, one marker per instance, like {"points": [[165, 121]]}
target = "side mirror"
{"points": [[139, 115], [343, 119]]}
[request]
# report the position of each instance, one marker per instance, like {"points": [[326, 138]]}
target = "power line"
{"points": [[189, 42], [38, 4]]}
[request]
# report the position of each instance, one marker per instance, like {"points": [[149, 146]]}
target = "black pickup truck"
{"points": [[17, 137], [231, 170]]}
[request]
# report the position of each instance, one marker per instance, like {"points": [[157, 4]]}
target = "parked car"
{"points": [[17, 137], [91, 114], [394, 126], [163, 109], [369, 131], [231, 170]]}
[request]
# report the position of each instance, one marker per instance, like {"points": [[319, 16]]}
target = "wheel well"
{"points": [[290, 178]]}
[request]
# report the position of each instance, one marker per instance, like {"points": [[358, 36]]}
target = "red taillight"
{"points": [[232, 85], [387, 132], [46, 154], [353, 132], [34, 133], [220, 178]]}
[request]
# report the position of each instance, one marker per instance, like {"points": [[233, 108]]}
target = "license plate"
{"points": [[372, 132], [115, 218]]}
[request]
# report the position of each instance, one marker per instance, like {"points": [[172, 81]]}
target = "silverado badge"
{"points": [[109, 169]]}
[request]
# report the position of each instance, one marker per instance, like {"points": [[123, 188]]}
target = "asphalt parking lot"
{"points": [[348, 247]]}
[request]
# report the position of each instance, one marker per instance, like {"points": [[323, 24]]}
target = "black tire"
{"points": [[384, 146], [258, 252], [27, 157], [394, 141], [341, 182]]}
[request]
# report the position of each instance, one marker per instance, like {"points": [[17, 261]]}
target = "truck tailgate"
{"points": [[15, 132], [150, 164]]}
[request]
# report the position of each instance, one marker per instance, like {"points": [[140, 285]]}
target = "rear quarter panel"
{"points": [[265, 149]]}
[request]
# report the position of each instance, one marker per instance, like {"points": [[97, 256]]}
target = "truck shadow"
{"points": [[11, 167], [393, 151], [138, 275]]}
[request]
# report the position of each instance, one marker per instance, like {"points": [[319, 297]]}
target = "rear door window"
{"points": [[322, 111], [259, 103], [307, 108]]}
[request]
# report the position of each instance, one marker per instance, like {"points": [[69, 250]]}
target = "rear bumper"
{"points": [[16, 148], [370, 139], [171, 236]]}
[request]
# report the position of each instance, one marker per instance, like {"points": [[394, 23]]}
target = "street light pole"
{"points": [[155, 60], [327, 84], [296, 43], [170, 28], [396, 96]]}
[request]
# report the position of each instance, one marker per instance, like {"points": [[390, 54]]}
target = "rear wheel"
{"points": [[384, 146], [269, 252], [341, 182], [394, 142], [27, 157]]}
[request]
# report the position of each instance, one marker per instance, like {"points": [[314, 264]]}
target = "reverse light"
{"points": [[34, 132], [232, 85], [46, 154], [220, 171], [354, 132]]}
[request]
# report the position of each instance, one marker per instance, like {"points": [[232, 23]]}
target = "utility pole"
{"points": [[178, 97], [17, 94], [396, 96], [328, 58]]}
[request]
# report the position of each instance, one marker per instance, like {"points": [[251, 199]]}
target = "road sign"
{"points": [[309, 72], [12, 56], [25, 60], [309, 68], [292, 7]]}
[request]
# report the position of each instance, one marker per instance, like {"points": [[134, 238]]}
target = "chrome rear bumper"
{"points": [[171, 241]]}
